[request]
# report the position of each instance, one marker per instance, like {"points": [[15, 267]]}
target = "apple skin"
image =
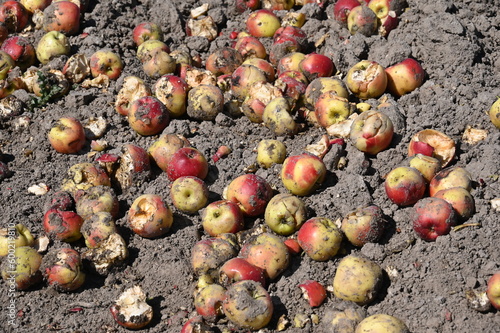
{"points": [[27, 268], [208, 301], [302, 174], [367, 79], [291, 31], [222, 216], [316, 65], [432, 217], [364, 225], [450, 177], [149, 216], [162, 150], [67, 136], [20, 50], [404, 77], [262, 23], [405, 186], [320, 238], [250, 192], [493, 290], [145, 31], [238, 269], [106, 62], [148, 116], [62, 225], [268, 252], [460, 199], [371, 132], [313, 292], [285, 214], [248, 305], [342, 8], [187, 161], [433, 143], [189, 194], [172, 91], [63, 270], [14, 15], [62, 16]]}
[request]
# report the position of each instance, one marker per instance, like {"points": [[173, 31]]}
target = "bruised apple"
{"points": [[285, 214], [371, 132], [302, 174], [149, 216], [405, 185], [238, 269], [432, 217], [364, 225], [320, 238], [250, 192]]}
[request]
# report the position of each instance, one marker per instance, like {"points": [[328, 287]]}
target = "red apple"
{"points": [[63, 269], [62, 225], [250, 47], [196, 325], [250, 192], [371, 132], [320, 238], [282, 47], [493, 290], [208, 301], [14, 15], [187, 161], [388, 23], [313, 292], [148, 116], [342, 8], [302, 174], [293, 246], [220, 217], [146, 31], [189, 194], [107, 63], [165, 147], [291, 31], [367, 79], [404, 77], [432, 217], [63, 16], [364, 225], [67, 136], [238, 269], [262, 23], [316, 65], [132, 89], [20, 50], [405, 186], [149, 216], [243, 5]]}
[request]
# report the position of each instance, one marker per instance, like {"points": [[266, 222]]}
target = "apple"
{"points": [[243, 77], [61, 200], [460, 199], [302, 174], [281, 47], [290, 62], [209, 254], [6, 64], [404, 77], [62, 225], [291, 31], [196, 325], [388, 23], [149, 216], [147, 48], [222, 216], [134, 167], [278, 4], [14, 15], [162, 150], [238, 269], [342, 8], [367, 79], [67, 136], [331, 109], [320, 238], [189, 194], [82, 176], [20, 50], [33, 5], [148, 116], [250, 47], [493, 290], [131, 310], [82, 4], [293, 91], [262, 23], [404, 186], [157, 63], [426, 165], [15, 237], [21, 270], [250, 192], [172, 91], [62, 268], [363, 20], [432, 217], [316, 65], [263, 65], [248, 305], [51, 45], [450, 177], [97, 228], [205, 102], [371, 132], [260, 94], [433, 143], [208, 301], [96, 199], [63, 16], [106, 62], [223, 61], [244, 5], [382, 8], [145, 31], [364, 225], [313, 292], [132, 89], [285, 214], [267, 251], [270, 152], [321, 85], [382, 322], [494, 113], [187, 161]]}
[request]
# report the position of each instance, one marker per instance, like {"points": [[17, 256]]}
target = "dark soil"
{"points": [[458, 45]]}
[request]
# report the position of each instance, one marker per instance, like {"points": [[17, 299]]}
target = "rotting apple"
{"points": [[383, 7], [270, 152], [285, 214], [63, 16], [14, 15], [450, 177], [145, 50], [432, 217], [96, 199], [251, 192], [342, 8], [278, 4], [426, 165], [243, 77], [320, 238], [51, 45], [222, 216], [157, 63], [316, 65], [293, 90], [132, 89], [209, 254], [77, 68], [148, 116], [248, 305], [187, 161], [208, 301], [493, 290], [22, 269], [404, 186], [367, 79], [82, 176], [145, 31], [134, 166], [363, 20], [131, 310], [364, 225], [371, 132], [388, 23], [107, 63], [382, 322], [262, 23], [404, 77], [63, 270], [282, 47], [302, 174], [67, 136], [189, 194], [196, 325], [250, 47], [243, 5], [260, 94], [20, 50], [149, 216], [331, 109], [202, 26], [460, 199], [162, 150], [443, 147], [494, 113], [321, 85], [291, 31], [205, 102], [267, 251], [314, 292], [6, 64], [264, 66], [238, 269], [17, 237], [223, 61], [62, 225], [97, 227], [278, 117], [172, 91], [111, 252]]}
